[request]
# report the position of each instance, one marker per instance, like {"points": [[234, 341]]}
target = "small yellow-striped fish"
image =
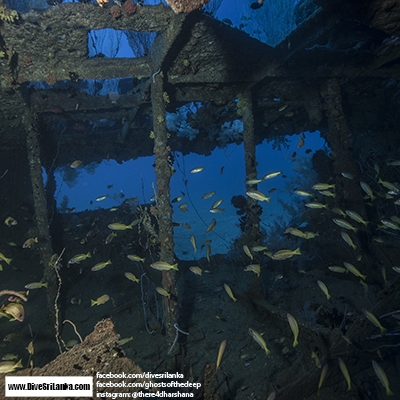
{"points": [[258, 338], [374, 320], [380, 373], [295, 329], [324, 289], [354, 270], [220, 354], [345, 373], [323, 375], [348, 240], [229, 291], [163, 292], [247, 252], [131, 277]]}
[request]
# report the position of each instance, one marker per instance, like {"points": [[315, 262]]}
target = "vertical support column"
{"points": [[40, 206], [340, 141], [349, 193], [163, 171], [252, 234]]}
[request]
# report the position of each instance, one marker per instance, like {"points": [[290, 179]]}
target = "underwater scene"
{"points": [[174, 202]]}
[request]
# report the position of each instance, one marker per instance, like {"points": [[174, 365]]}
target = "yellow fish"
{"points": [[216, 210], [110, 237], [196, 270], [295, 329], [101, 300], [30, 348], [259, 248], [229, 291], [208, 195], [131, 277], [256, 268], [9, 357], [134, 257], [344, 224], [119, 227], [374, 320], [79, 257], [310, 235], [211, 226], [316, 359], [284, 254], [164, 266], [294, 232], [253, 181], [208, 251], [368, 190], [345, 373], [10, 221], [272, 396], [178, 199], [217, 203], [340, 270], [121, 342], [321, 379], [101, 198], [220, 354], [193, 241], [354, 270], [323, 186], [356, 217], [258, 338], [303, 193], [76, 164], [101, 265], [4, 258], [247, 251], [36, 285], [316, 205], [324, 289], [256, 195], [380, 373], [15, 310], [163, 292], [348, 240], [272, 175], [206, 243], [327, 193], [196, 170], [10, 366]]}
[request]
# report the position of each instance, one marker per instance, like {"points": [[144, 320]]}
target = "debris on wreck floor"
{"points": [[99, 352]]}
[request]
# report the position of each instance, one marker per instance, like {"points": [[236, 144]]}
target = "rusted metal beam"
{"points": [[163, 169], [40, 206]]}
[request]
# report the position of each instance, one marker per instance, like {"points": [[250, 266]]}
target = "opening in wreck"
{"points": [[113, 43], [224, 203]]}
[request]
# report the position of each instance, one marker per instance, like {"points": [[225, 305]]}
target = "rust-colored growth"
{"points": [[51, 80], [26, 61], [115, 12], [186, 5], [130, 7], [153, 210]]}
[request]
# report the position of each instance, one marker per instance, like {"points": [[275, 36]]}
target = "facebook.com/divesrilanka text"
{"points": [[167, 386]]}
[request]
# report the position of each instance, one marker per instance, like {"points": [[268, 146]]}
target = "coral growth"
{"points": [[102, 2], [115, 12], [186, 5], [130, 7], [8, 15]]}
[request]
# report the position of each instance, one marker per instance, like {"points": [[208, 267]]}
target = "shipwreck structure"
{"points": [[337, 72]]}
